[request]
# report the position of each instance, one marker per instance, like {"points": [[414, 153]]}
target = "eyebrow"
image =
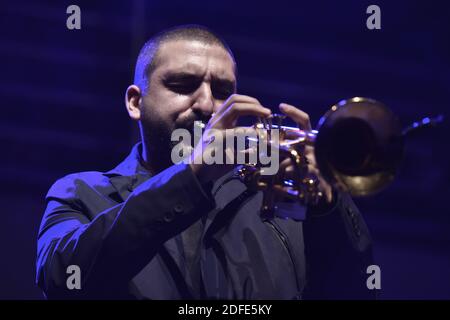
{"points": [[180, 76], [187, 76]]}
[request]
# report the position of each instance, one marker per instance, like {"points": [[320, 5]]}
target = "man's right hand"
{"points": [[225, 118]]}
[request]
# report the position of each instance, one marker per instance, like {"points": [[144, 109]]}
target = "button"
{"points": [[178, 209], [358, 233], [351, 212], [169, 216]]}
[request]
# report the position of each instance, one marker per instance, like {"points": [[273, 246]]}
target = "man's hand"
{"points": [[302, 119], [225, 118]]}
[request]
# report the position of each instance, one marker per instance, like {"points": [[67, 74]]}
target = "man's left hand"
{"points": [[303, 121]]}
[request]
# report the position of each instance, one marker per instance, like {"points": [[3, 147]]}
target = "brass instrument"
{"points": [[358, 147]]}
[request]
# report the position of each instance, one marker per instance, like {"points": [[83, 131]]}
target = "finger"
{"points": [[299, 116], [229, 117], [236, 98], [239, 134], [229, 133], [242, 98], [285, 169], [289, 171], [309, 154], [326, 189], [324, 186], [312, 170], [236, 146], [246, 109]]}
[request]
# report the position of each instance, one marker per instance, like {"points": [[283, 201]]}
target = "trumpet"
{"points": [[358, 147]]}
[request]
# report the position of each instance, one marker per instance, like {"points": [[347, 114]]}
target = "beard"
{"points": [[157, 134]]}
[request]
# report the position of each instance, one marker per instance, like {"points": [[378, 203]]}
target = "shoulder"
{"points": [[71, 185]]}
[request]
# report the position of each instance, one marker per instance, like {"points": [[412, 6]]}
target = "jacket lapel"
{"points": [[129, 174]]}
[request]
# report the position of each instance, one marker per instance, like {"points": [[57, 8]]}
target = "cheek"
{"points": [[169, 104], [161, 107]]}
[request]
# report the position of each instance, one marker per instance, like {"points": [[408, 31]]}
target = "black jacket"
{"points": [[124, 228]]}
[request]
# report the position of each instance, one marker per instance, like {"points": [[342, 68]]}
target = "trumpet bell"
{"points": [[359, 145]]}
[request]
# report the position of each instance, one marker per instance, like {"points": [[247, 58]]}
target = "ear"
{"points": [[132, 100]]}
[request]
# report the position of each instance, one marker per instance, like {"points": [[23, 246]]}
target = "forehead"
{"points": [[194, 57]]}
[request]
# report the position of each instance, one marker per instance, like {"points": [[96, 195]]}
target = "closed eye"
{"points": [[182, 83], [183, 88], [222, 89]]}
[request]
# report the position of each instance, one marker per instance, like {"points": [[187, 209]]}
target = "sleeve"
{"points": [[118, 242], [338, 250]]}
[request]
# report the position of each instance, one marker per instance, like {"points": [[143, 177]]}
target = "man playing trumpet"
{"points": [[154, 229]]}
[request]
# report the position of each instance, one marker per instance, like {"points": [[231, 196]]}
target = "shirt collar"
{"points": [[132, 165], [129, 174]]}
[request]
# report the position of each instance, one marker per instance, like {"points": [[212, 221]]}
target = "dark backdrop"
{"points": [[62, 96]]}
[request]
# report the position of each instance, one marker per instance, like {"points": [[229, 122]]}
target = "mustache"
{"points": [[188, 122]]}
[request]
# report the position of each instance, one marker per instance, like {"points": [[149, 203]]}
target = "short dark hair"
{"points": [[146, 61]]}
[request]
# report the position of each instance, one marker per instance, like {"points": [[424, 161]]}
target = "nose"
{"points": [[204, 100]]}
